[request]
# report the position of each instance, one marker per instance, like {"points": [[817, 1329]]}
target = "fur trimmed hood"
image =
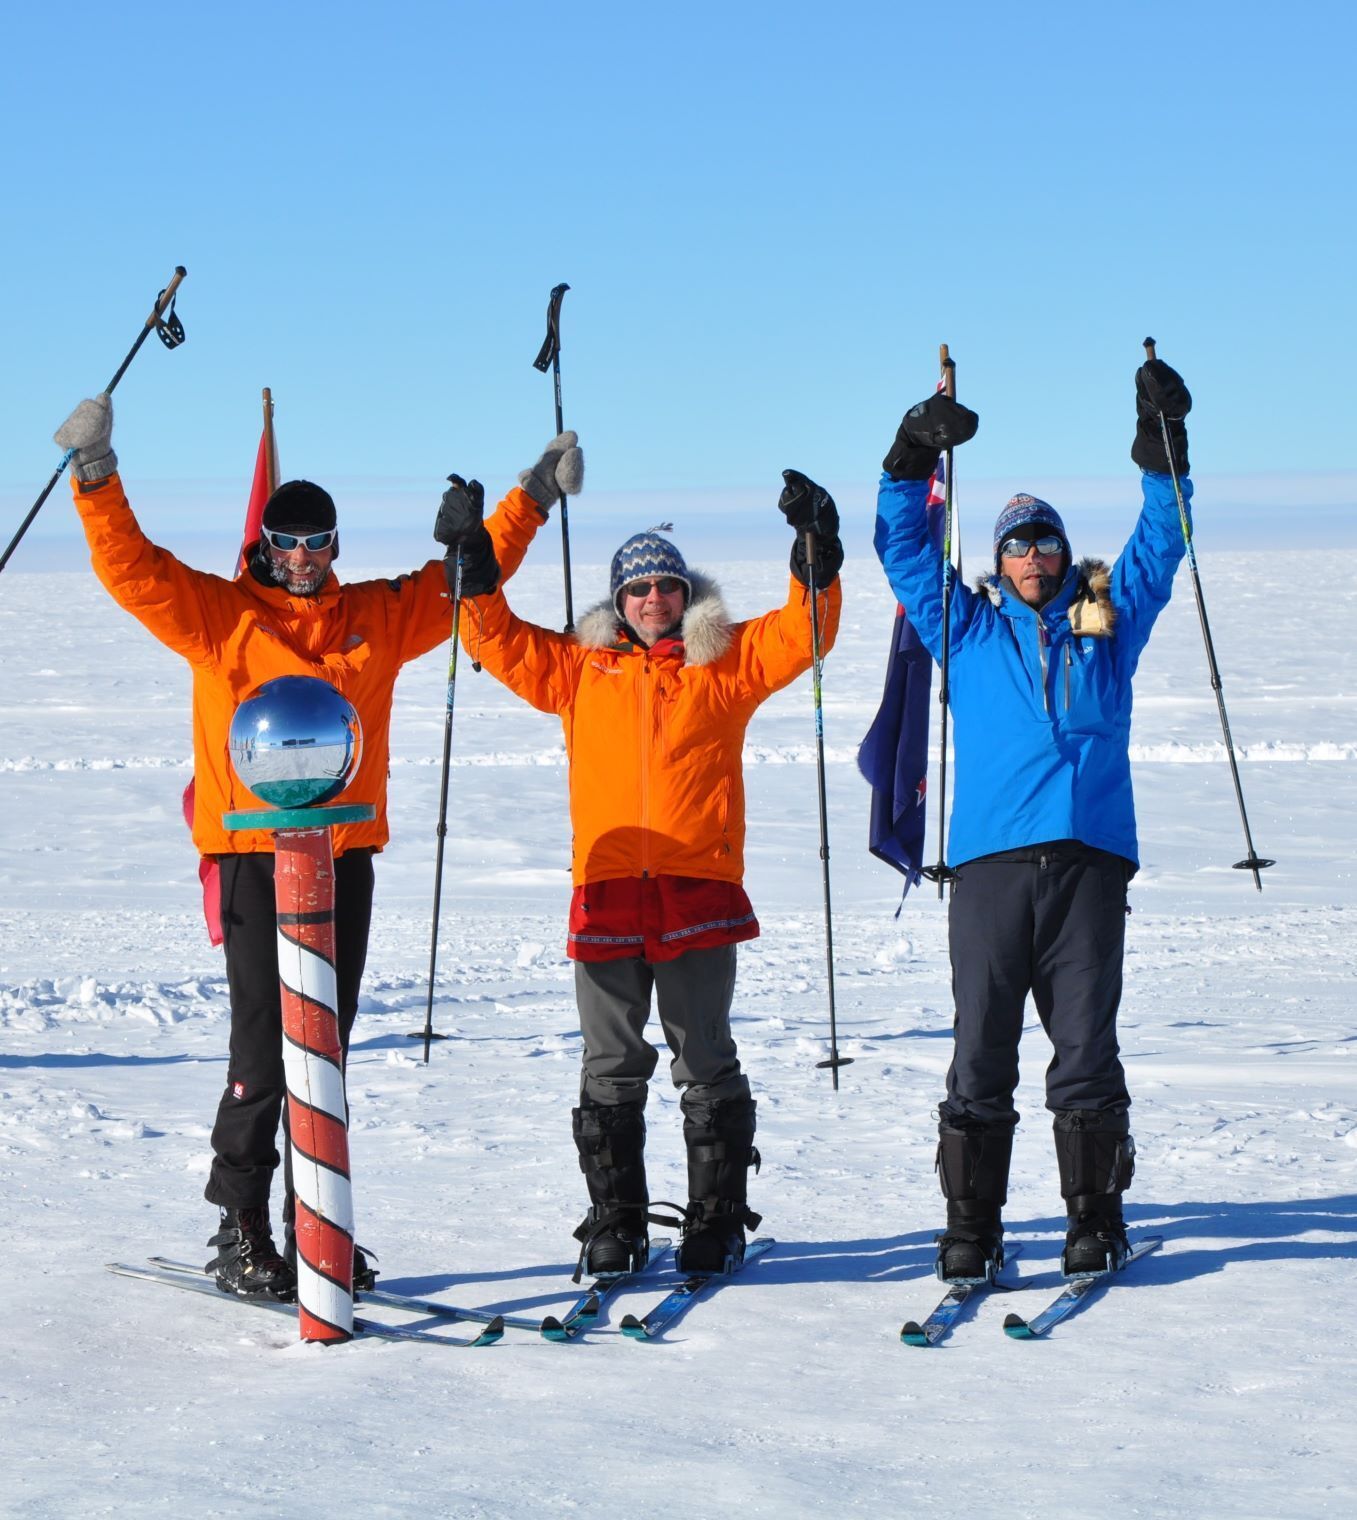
{"points": [[1091, 611], [705, 629]]}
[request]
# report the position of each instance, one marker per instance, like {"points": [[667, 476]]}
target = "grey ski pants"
{"points": [[693, 995]]}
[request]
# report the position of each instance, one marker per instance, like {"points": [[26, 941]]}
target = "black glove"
{"points": [[461, 527], [936, 424], [810, 508], [828, 560], [1160, 389], [806, 505], [480, 568], [461, 511]]}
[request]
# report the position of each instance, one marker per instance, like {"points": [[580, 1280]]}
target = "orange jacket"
{"points": [[654, 736], [237, 634]]}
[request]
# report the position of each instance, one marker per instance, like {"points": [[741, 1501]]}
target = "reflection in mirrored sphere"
{"points": [[295, 742]]}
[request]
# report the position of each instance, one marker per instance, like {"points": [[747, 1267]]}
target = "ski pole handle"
{"points": [[948, 367], [166, 295], [161, 306], [1149, 350]]}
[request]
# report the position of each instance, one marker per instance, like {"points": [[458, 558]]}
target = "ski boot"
{"points": [[720, 1140], [1096, 1240], [1097, 1158], [247, 1262], [972, 1165], [613, 1235], [972, 1245]]}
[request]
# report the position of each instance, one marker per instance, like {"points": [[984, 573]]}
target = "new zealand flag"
{"points": [[894, 755]]}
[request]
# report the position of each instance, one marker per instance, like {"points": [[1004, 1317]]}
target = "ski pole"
{"points": [[171, 331], [550, 355], [427, 1033], [1252, 861], [816, 666], [941, 873]]}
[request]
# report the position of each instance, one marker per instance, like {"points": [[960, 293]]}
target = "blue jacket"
{"points": [[1042, 718]]}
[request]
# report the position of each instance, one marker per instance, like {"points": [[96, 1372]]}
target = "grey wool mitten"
{"points": [[89, 431], [559, 472]]}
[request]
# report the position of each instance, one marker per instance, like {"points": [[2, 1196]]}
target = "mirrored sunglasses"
{"points": [[1019, 548], [666, 585], [287, 542]]}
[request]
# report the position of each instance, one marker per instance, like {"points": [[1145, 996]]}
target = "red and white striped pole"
{"points": [[313, 1063], [294, 744]]}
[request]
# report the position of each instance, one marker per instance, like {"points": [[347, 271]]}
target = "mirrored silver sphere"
{"points": [[295, 742]]}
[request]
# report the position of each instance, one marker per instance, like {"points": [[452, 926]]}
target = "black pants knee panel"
{"points": [[973, 1161], [1095, 1151]]}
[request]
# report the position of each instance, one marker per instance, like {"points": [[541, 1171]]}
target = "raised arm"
{"points": [[170, 600], [539, 665], [1142, 578], [771, 651]]}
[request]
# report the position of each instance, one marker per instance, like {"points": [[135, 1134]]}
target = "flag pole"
{"points": [[940, 872], [270, 443]]}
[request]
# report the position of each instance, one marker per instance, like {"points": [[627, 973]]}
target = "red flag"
{"points": [[261, 488]]}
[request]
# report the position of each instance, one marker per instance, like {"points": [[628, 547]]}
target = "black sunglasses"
{"points": [[666, 585], [287, 542], [1019, 548]]}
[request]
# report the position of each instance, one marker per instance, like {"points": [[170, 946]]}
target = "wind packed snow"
{"points": [[1215, 1379]]}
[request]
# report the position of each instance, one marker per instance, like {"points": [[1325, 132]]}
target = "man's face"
{"points": [[300, 569], [651, 609], [1035, 575]]}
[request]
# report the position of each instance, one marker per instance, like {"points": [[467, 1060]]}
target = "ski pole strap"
{"points": [[169, 329], [551, 344]]}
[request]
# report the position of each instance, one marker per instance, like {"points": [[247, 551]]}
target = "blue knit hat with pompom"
{"points": [[1024, 511], [646, 556]]}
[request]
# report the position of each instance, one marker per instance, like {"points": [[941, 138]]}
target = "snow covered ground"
{"points": [[1216, 1380]]}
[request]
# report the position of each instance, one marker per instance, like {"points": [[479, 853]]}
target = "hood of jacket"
{"points": [[705, 629], [1084, 597]]}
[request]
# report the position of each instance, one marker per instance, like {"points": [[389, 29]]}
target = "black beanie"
{"points": [[298, 504]]}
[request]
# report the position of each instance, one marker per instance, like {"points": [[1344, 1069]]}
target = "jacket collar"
{"points": [[705, 631], [279, 596], [1086, 581]]}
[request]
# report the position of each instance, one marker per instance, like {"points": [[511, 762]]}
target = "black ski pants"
{"points": [[1049, 920], [244, 1138]]}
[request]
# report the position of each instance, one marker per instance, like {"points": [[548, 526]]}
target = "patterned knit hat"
{"points": [[643, 557], [1024, 511]]}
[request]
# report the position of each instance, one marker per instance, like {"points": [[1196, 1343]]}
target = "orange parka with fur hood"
{"points": [[654, 736], [237, 634]]}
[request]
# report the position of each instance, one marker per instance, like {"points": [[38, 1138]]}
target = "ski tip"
{"points": [[912, 1333], [1016, 1326], [632, 1328], [553, 1329], [493, 1332]]}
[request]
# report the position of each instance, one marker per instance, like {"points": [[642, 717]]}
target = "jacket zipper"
{"points": [[643, 738], [1069, 657], [1041, 652]]}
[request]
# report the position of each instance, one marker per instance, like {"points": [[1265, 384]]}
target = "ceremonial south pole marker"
{"points": [[294, 744]]}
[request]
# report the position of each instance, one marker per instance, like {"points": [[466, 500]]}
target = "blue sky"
{"points": [[770, 216]]}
